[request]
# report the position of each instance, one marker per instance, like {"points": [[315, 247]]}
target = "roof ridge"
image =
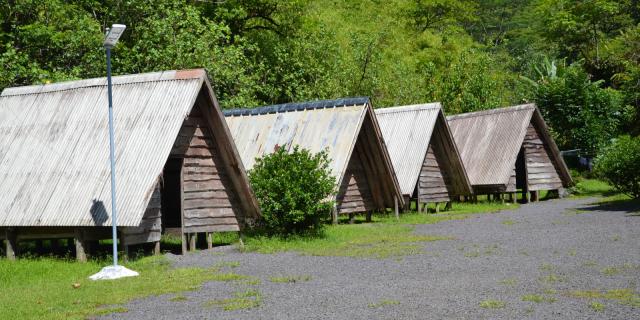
{"points": [[516, 108], [297, 106], [409, 108], [102, 81]]}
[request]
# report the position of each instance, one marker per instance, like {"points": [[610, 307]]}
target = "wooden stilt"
{"points": [[437, 207], [395, 205], [209, 240], [448, 206], [184, 243], [156, 248], [11, 244], [528, 197], [125, 252], [81, 255], [369, 214], [334, 215], [352, 218], [534, 196], [193, 237]]}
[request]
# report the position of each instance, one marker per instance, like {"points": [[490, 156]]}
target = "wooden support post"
{"points": [[184, 243], [447, 207], [514, 197], [125, 252], [534, 196], [156, 248], [352, 218], [11, 243], [80, 242], [502, 198], [528, 199], [193, 237], [209, 240], [561, 193], [437, 207], [369, 214], [395, 205], [334, 215]]}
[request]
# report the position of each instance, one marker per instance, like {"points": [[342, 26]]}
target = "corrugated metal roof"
{"points": [[315, 129], [407, 131], [54, 146], [489, 141], [297, 106]]}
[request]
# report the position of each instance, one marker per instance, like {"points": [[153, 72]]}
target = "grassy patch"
{"points": [[509, 282], [42, 288], [610, 271], [230, 264], [596, 306], [105, 311], [242, 300], [383, 303], [358, 240], [537, 298], [623, 296], [592, 187], [551, 278], [290, 279], [178, 298], [492, 304]]}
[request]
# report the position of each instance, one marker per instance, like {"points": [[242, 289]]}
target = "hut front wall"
{"points": [[354, 194], [209, 203], [432, 184], [542, 173], [150, 229]]}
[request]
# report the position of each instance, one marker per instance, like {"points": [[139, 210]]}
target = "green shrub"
{"points": [[619, 164], [292, 189]]}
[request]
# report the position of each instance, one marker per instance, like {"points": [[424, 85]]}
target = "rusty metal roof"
{"points": [[407, 131], [331, 125], [54, 146]]}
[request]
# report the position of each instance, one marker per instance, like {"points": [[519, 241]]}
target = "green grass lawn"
{"points": [[44, 288], [383, 238]]}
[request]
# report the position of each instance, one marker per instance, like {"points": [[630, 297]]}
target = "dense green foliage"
{"points": [[292, 189], [470, 55], [619, 163]]}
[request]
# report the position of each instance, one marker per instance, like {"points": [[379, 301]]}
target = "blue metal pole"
{"points": [[112, 156]]}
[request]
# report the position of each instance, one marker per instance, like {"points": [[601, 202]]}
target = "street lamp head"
{"points": [[113, 35]]}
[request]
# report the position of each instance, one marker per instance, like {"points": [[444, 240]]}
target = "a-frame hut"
{"points": [[424, 154], [177, 168], [507, 149], [346, 128]]}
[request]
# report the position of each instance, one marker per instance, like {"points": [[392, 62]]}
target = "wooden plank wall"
{"points": [[511, 186], [150, 229], [433, 179], [355, 194], [209, 201], [542, 173]]}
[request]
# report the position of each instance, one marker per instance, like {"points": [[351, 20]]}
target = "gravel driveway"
{"points": [[546, 251]]}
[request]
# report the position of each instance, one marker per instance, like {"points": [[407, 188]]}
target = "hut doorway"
{"points": [[171, 195], [521, 172]]}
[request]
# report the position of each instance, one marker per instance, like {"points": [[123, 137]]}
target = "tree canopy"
{"points": [[469, 55]]}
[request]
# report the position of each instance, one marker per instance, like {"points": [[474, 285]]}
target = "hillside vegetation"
{"points": [[578, 59]]}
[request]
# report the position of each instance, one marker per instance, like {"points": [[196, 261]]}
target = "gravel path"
{"points": [[545, 248]]}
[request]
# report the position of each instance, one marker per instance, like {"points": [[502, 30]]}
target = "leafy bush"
{"points": [[582, 114], [619, 163], [292, 189]]}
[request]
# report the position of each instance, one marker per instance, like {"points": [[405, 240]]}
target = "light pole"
{"points": [[115, 271]]}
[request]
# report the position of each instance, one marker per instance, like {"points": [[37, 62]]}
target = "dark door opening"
{"points": [[521, 172], [171, 195]]}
